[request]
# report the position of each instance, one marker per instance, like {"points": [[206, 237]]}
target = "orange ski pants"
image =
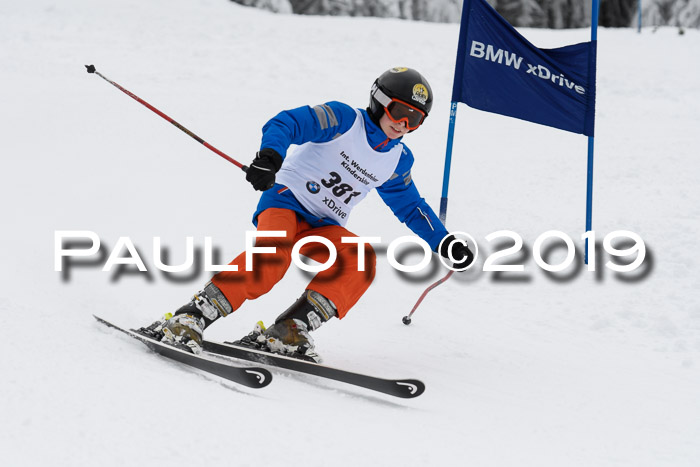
{"points": [[343, 283]]}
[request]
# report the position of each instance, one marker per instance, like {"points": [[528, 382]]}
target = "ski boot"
{"points": [[290, 334], [185, 328]]}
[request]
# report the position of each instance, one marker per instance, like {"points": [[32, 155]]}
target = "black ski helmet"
{"points": [[404, 84]]}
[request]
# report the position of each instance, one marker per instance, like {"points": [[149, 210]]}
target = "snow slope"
{"points": [[589, 370]]}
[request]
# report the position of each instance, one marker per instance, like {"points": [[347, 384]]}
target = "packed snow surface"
{"points": [[576, 368]]}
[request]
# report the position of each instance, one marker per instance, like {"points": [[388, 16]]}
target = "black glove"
{"points": [[261, 172], [459, 250]]}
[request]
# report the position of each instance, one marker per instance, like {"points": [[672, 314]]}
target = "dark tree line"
{"points": [[553, 14]]}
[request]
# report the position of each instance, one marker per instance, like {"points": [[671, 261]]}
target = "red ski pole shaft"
{"points": [[91, 69], [407, 319]]}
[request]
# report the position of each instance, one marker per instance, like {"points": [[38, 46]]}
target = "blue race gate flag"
{"points": [[499, 71]]}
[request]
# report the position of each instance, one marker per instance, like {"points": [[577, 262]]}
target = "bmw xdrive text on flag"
{"points": [[499, 71]]}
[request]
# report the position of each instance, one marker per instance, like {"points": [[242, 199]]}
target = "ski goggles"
{"points": [[399, 111]]}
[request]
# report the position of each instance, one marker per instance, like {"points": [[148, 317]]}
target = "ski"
{"points": [[405, 388], [253, 377]]}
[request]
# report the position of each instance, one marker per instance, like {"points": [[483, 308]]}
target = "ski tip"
{"points": [[409, 388], [258, 377], [101, 320]]}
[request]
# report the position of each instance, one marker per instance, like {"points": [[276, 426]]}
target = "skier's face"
{"points": [[391, 129]]}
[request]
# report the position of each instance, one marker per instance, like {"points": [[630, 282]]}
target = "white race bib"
{"points": [[330, 178]]}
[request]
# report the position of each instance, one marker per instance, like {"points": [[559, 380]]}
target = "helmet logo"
{"points": [[420, 93], [398, 69]]}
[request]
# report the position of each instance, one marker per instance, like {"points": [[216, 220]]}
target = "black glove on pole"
{"points": [[261, 172], [457, 251]]}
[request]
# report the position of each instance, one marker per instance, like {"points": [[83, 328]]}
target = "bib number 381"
{"points": [[338, 188]]}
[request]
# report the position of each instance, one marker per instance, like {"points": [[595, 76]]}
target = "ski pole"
{"points": [[443, 201], [91, 69], [407, 319]]}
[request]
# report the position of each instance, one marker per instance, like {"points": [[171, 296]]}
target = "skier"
{"points": [[343, 154]]}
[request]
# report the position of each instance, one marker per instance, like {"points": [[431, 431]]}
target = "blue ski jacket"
{"points": [[322, 123]]}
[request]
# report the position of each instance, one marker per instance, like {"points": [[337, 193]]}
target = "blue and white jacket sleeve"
{"points": [[316, 124], [402, 196]]}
